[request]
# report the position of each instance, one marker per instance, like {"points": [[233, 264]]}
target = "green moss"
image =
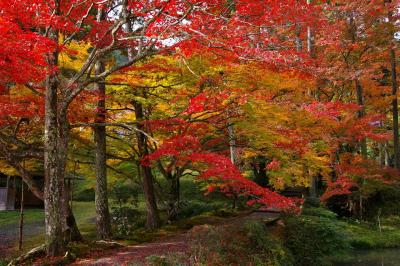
{"points": [[368, 236]]}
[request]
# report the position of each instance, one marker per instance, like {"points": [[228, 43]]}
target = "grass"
{"points": [[12, 217], [82, 211], [368, 235]]}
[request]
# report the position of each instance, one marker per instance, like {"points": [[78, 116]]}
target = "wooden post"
{"points": [[21, 216]]}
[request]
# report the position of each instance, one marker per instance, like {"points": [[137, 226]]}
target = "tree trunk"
{"points": [[103, 223], [259, 166], [173, 197], [311, 51], [70, 228], [395, 107], [153, 218], [53, 185], [395, 110], [387, 155], [381, 157], [361, 113], [232, 144], [363, 143], [21, 216], [310, 38], [232, 149]]}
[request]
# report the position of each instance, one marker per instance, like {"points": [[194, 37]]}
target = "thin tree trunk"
{"points": [[21, 217], [361, 114], [153, 218], [103, 223], [232, 144], [173, 197], [395, 106], [311, 51], [310, 38], [232, 149], [70, 228], [395, 110], [299, 42], [363, 143], [381, 157], [387, 155]]}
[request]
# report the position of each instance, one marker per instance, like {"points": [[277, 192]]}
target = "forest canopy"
{"points": [[250, 100]]}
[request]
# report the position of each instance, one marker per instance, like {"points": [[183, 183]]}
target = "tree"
{"points": [[180, 22], [103, 222]]}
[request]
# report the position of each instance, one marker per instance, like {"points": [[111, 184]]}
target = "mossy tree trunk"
{"points": [[53, 185], [103, 222]]}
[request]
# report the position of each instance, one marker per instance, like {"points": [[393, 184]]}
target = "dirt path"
{"points": [[136, 255]]}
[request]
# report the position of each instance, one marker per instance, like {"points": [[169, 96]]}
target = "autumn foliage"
{"points": [[251, 98]]}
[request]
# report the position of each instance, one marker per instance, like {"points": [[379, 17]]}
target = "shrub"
{"points": [[197, 207], [237, 244], [270, 248], [84, 195], [312, 202], [125, 220], [125, 194], [311, 238], [319, 212]]}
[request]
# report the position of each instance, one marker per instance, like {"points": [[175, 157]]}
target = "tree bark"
{"points": [[363, 143], [153, 218], [21, 216], [310, 38], [55, 245], [313, 190], [361, 113], [232, 144], [395, 111], [103, 222], [173, 197], [70, 228], [395, 105]]}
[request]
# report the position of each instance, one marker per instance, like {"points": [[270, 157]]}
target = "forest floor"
{"points": [[137, 254], [175, 244]]}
